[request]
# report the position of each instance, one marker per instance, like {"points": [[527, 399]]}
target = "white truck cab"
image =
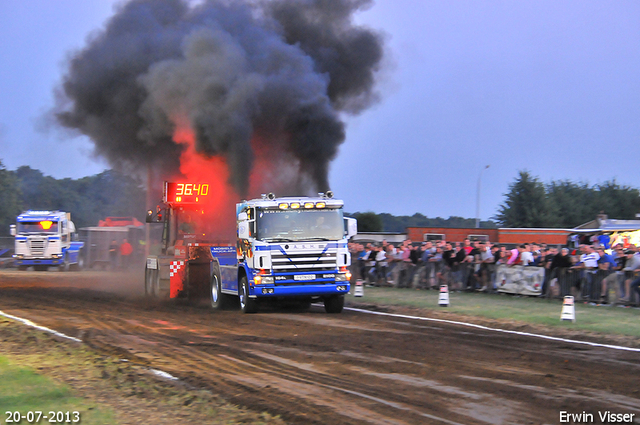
{"points": [[44, 239]]}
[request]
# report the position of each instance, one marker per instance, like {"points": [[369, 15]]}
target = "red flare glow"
{"points": [[215, 219]]}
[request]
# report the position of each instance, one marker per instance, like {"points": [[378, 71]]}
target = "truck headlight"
{"points": [[55, 255], [341, 278], [263, 280]]}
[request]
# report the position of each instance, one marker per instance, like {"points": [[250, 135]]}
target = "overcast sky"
{"points": [[552, 87]]}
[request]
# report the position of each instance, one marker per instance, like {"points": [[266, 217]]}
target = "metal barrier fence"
{"points": [[587, 285], [595, 285]]}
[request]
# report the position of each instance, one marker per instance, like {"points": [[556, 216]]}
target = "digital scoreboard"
{"points": [[185, 193]]}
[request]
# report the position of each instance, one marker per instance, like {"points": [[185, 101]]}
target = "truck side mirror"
{"points": [[12, 229], [350, 227], [243, 228]]}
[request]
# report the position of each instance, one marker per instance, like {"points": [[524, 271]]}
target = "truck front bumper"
{"points": [[299, 290], [37, 261]]}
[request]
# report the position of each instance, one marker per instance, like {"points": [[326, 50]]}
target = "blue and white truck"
{"points": [[44, 239], [288, 249]]}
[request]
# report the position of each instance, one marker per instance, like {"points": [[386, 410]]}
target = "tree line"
{"points": [[384, 222], [528, 203], [88, 199], [564, 204]]}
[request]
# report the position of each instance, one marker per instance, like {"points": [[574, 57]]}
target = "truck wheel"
{"points": [[80, 264], [64, 267], [247, 305], [334, 304], [219, 301]]}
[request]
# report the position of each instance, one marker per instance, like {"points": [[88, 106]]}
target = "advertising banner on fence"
{"points": [[521, 280]]}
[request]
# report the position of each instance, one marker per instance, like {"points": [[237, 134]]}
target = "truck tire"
{"points": [[219, 301], [334, 304], [22, 268], [64, 267], [80, 264], [247, 305]]}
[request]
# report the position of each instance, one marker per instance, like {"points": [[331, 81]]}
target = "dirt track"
{"points": [[311, 367]]}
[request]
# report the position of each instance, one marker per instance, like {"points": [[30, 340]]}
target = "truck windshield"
{"points": [[299, 225], [38, 227]]}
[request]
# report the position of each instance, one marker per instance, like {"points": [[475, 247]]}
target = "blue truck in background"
{"points": [[291, 249], [44, 239]]}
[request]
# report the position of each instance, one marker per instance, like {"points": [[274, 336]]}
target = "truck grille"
{"points": [[300, 262], [36, 247]]}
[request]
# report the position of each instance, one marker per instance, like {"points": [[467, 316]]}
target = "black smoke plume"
{"points": [[238, 73]]}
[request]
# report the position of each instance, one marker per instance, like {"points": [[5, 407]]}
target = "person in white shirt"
{"points": [[590, 258], [381, 262], [526, 257], [588, 261]]}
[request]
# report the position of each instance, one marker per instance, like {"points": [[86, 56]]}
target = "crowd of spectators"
{"points": [[593, 272]]}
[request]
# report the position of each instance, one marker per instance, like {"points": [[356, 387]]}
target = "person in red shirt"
{"points": [[125, 253]]}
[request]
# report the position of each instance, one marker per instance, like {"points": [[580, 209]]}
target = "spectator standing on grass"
{"points": [[424, 269], [414, 257], [621, 262], [398, 266], [406, 264], [467, 246], [526, 257], [125, 253], [381, 268], [496, 251], [370, 260], [438, 268], [538, 258], [500, 254], [632, 265], [546, 259], [588, 262], [514, 257], [634, 287], [449, 261], [608, 265], [390, 254], [457, 270], [473, 266], [559, 265], [113, 254]]}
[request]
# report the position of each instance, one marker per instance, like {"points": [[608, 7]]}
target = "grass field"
{"points": [[23, 390], [601, 319], [41, 373]]}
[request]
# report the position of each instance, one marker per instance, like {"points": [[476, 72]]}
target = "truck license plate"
{"points": [[304, 277]]}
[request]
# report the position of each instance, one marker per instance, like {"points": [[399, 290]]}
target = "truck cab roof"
{"points": [[34, 215], [275, 202]]}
